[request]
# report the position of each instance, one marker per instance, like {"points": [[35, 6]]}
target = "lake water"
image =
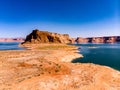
{"points": [[10, 46], [103, 54]]}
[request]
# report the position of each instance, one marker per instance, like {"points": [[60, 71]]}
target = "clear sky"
{"points": [[84, 18]]}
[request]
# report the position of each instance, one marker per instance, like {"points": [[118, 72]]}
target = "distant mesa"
{"points": [[109, 39], [12, 39], [37, 37]]}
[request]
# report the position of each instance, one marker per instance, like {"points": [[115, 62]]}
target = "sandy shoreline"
{"points": [[48, 67]]}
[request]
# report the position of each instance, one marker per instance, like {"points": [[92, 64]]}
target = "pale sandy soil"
{"points": [[47, 67]]}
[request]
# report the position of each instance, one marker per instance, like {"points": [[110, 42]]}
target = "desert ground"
{"points": [[49, 67]]}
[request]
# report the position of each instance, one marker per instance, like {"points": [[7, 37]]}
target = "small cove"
{"points": [[102, 54], [10, 46]]}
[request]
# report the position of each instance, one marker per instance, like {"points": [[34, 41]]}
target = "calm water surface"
{"points": [[10, 46], [103, 54]]}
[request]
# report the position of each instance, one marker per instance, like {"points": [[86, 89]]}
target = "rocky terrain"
{"points": [[48, 67], [109, 39], [12, 39], [46, 37]]}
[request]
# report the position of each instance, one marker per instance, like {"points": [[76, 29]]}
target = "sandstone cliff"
{"points": [[109, 39], [37, 37], [81, 40]]}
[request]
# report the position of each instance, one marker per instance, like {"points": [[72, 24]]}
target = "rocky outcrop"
{"points": [[109, 39], [81, 40], [72, 40], [37, 37]]}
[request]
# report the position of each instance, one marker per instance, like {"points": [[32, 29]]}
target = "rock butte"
{"points": [[47, 67], [37, 37]]}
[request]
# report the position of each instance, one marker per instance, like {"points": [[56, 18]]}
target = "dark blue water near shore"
{"points": [[103, 54], [10, 46]]}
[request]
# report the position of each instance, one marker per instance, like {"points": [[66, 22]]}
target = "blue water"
{"points": [[102, 54], [10, 46]]}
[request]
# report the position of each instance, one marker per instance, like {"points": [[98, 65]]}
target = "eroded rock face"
{"points": [[81, 40], [110, 39], [37, 37]]}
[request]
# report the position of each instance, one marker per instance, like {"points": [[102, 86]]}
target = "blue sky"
{"points": [[84, 18]]}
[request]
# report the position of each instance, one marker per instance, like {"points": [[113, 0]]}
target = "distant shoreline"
{"points": [[12, 39]]}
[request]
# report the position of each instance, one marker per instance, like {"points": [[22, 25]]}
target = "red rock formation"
{"points": [[109, 39], [37, 37], [81, 40], [12, 39], [72, 40]]}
